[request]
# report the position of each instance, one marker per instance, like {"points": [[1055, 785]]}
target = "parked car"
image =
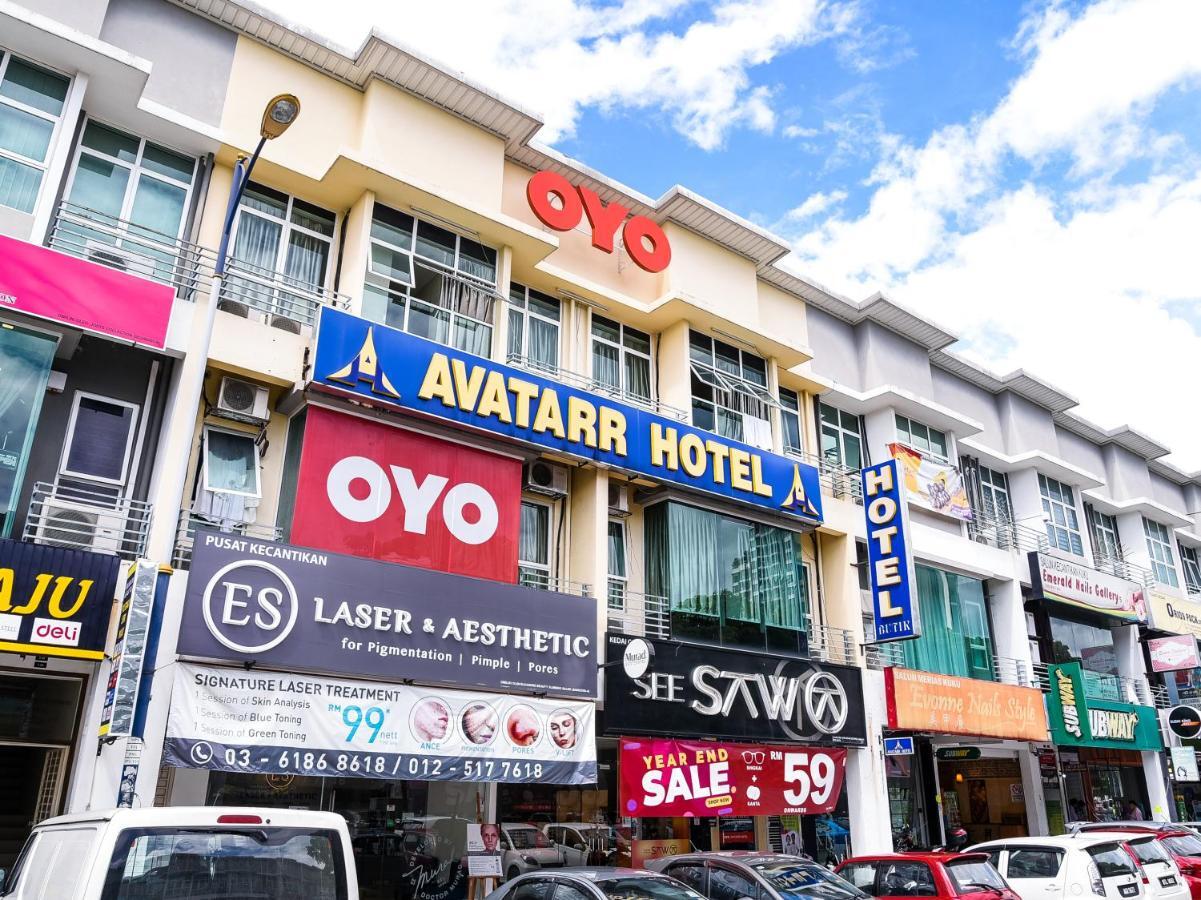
{"points": [[525, 849], [586, 843], [941, 875], [1161, 876], [605, 883], [179, 851], [735, 874], [1180, 840], [1065, 866]]}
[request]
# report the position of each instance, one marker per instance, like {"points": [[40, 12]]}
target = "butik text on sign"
{"points": [[890, 562]]}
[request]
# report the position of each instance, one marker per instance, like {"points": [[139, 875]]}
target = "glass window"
{"points": [[533, 328], [972, 875], [727, 885], [31, 100], [692, 874], [1059, 511], [617, 564], [433, 283], [1111, 861], [565, 891], [921, 437], [640, 887], [956, 638], [534, 889], [621, 359], [795, 880], [1183, 844], [729, 581], [994, 491], [790, 420], [99, 439], [841, 439], [1107, 547], [862, 875], [729, 391], [906, 879], [25, 361], [1159, 545], [1087, 644], [231, 463], [533, 554], [1035, 862], [50, 865], [1190, 561]]}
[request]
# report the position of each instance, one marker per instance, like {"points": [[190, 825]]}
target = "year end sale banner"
{"points": [[706, 778], [236, 720]]}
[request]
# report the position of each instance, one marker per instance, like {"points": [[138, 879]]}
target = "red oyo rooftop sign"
{"points": [[644, 240]]}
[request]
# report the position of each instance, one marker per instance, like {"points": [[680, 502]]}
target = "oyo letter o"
{"points": [[461, 496], [653, 260], [537, 194], [379, 493]]}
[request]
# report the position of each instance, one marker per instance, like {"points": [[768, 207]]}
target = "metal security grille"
{"points": [[52, 784]]}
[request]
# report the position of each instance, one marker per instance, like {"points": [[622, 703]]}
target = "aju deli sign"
{"points": [[1073, 584], [390, 367]]}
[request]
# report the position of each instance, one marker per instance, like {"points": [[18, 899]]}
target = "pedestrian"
{"points": [[1134, 812]]}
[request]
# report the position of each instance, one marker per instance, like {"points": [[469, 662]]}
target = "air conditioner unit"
{"points": [[118, 258], [242, 400], [619, 499], [546, 478], [79, 527]]}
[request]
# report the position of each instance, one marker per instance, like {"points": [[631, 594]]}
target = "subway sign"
{"points": [[1078, 720], [53, 601], [392, 368], [890, 561]]}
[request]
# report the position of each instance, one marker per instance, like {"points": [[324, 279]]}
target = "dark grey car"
{"points": [[755, 875], [599, 883]]}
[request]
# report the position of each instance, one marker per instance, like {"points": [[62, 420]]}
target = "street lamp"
{"points": [[280, 113]]}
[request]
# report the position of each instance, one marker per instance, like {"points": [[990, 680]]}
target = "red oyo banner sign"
{"points": [[369, 489], [707, 778], [82, 294]]}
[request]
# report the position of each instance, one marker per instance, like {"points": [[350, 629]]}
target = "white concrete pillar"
{"points": [[1009, 627], [867, 784], [1157, 788], [1032, 787], [588, 556]]}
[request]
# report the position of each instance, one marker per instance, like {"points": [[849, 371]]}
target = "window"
{"points": [[955, 639], [533, 553], [727, 885], [790, 420], [972, 876], [1107, 548], [99, 439], [31, 100], [729, 391], [1089, 645], [1191, 563], [136, 192], [692, 874], [842, 441], [617, 565], [25, 361], [565, 891], [533, 328], [906, 879], [621, 359], [1059, 510], [921, 437], [534, 889], [231, 463], [862, 876], [1159, 545], [281, 250], [1035, 862], [994, 492], [430, 282]]}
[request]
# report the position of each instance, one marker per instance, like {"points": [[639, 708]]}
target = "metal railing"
{"points": [[837, 480], [1121, 567], [833, 645], [1118, 688], [640, 615], [119, 244], [1002, 669], [543, 580], [1008, 670], [286, 302], [82, 517], [189, 521], [881, 656], [586, 383], [1005, 534]]}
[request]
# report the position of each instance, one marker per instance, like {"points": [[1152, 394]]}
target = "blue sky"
{"points": [[1026, 174]]}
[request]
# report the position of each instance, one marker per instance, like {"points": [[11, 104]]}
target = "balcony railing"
{"points": [[81, 517], [639, 615], [189, 521], [119, 244], [1003, 669], [1005, 534], [1120, 567], [833, 645], [285, 302], [585, 383], [837, 480], [543, 580], [1117, 688]]}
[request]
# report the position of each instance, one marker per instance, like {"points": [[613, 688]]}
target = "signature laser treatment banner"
{"points": [[704, 778], [273, 723]]}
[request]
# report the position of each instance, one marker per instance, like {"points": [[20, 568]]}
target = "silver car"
{"points": [[734, 874], [604, 883]]}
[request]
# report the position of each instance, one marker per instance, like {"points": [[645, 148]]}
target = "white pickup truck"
{"points": [[186, 853]]}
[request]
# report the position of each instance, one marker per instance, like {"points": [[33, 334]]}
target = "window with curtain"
{"points": [[99, 440], [231, 463], [618, 576], [621, 360], [994, 492], [1159, 545], [137, 192], [533, 546], [922, 437], [430, 282], [533, 328], [729, 391], [728, 581], [280, 249], [842, 441], [31, 102], [1190, 561], [1107, 547], [1059, 511], [955, 639], [790, 420]]}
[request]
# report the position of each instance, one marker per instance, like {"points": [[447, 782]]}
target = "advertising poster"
{"points": [[290, 607], [925, 701], [1170, 654], [1073, 584], [1174, 615], [642, 852], [129, 650], [704, 778], [233, 720], [932, 483], [1184, 764]]}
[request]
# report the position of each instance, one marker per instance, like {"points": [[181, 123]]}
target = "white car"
{"points": [[1066, 867], [1162, 879], [526, 849]]}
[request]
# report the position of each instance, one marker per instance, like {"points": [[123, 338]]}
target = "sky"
{"points": [[1027, 175]]}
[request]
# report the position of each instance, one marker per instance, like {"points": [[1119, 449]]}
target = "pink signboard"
{"points": [[1171, 653], [82, 294]]}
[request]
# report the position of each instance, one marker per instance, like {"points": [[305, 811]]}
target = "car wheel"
{"points": [[513, 873]]}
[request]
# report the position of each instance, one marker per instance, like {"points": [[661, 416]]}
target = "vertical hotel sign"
{"points": [[894, 593]]}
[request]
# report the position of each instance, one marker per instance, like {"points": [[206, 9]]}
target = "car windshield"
{"points": [[1111, 860], [264, 863], [797, 879], [1148, 852], [646, 887], [1183, 844], [526, 838], [974, 875]]}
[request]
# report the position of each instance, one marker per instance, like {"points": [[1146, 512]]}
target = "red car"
{"points": [[1182, 843], [947, 876]]}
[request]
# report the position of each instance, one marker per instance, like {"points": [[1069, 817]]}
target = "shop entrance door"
{"points": [[31, 784]]}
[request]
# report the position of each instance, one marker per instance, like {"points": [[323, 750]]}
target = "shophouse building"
{"points": [[477, 486]]}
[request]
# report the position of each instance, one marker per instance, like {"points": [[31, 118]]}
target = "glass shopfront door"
{"points": [[25, 360]]}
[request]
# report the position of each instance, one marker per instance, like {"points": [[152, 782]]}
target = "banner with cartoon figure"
{"points": [[931, 483]]}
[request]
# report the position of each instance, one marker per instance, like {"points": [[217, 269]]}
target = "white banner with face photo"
{"points": [[270, 722]]}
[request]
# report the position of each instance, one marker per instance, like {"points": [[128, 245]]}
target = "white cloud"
{"points": [[559, 57], [1070, 279], [814, 204]]}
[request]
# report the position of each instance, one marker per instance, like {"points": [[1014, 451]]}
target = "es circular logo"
{"points": [[826, 702], [250, 606]]}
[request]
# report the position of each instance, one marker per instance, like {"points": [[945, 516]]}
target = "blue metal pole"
{"points": [[242, 170]]}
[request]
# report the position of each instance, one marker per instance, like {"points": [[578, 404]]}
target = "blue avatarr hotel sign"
{"points": [[394, 368]]}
